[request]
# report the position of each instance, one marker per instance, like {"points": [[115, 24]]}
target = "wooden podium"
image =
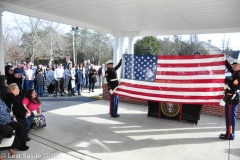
{"points": [[169, 110]]}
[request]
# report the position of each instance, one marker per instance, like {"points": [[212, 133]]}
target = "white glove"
{"points": [[111, 91], [222, 103]]}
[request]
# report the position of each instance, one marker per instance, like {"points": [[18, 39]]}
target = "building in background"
{"points": [[209, 47]]}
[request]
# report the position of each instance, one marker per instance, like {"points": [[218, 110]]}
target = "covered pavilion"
{"points": [[132, 18]]}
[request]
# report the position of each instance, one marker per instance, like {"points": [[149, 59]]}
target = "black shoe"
{"points": [[114, 116], [62, 95], [28, 139], [92, 90], [224, 136], [73, 93], [79, 94], [117, 115], [23, 148]]}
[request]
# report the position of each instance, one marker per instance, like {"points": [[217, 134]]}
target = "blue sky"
{"points": [[216, 39]]}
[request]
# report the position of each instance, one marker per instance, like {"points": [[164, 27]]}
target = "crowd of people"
{"points": [[20, 87], [74, 78], [57, 78]]}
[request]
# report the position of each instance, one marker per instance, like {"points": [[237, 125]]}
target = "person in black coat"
{"points": [[14, 102], [11, 77], [112, 80], [3, 86], [92, 77]]}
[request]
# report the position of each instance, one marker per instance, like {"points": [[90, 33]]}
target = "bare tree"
{"points": [[177, 46], [33, 29], [93, 45], [41, 39], [13, 52], [52, 43], [194, 41], [225, 45], [166, 47]]}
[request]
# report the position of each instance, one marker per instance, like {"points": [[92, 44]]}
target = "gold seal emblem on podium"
{"points": [[170, 109]]}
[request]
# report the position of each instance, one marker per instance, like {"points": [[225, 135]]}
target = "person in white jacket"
{"points": [[59, 76]]}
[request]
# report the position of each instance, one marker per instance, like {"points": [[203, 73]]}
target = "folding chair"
{"points": [[7, 142]]}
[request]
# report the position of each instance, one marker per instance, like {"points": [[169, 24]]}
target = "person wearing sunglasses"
{"points": [[11, 77]]}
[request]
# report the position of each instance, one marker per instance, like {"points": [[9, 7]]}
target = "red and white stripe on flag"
{"points": [[195, 79]]}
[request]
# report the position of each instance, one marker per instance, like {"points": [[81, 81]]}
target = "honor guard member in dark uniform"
{"points": [[231, 99], [112, 80]]}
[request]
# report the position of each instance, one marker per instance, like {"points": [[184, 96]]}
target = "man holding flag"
{"points": [[231, 100], [112, 80]]}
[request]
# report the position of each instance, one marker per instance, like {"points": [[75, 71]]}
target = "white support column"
{"points": [[121, 51], [130, 45], [2, 69], [116, 49]]}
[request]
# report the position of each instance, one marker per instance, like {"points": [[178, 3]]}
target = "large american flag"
{"points": [[195, 79]]}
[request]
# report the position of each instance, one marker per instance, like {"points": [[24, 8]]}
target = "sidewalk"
{"points": [[86, 131]]}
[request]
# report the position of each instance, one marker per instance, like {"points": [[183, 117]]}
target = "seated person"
{"points": [[7, 118], [14, 101], [3, 86], [33, 105]]}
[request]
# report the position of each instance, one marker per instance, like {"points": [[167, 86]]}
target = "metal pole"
{"points": [[73, 47], [76, 47], [195, 48]]}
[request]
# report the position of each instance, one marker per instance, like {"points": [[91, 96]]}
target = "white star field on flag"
{"points": [[140, 67]]}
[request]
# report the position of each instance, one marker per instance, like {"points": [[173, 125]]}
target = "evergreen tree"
{"points": [[147, 45]]}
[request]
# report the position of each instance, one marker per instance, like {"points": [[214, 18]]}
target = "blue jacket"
{"points": [[19, 70], [79, 76], [5, 117]]}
